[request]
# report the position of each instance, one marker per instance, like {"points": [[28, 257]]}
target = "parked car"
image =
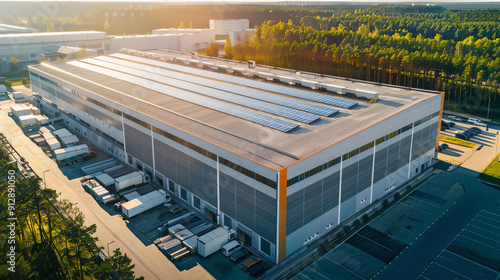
{"points": [[239, 256], [444, 124], [455, 118], [451, 124], [480, 123], [444, 146], [473, 120], [248, 263], [231, 248], [472, 131], [461, 136], [258, 270], [468, 134], [476, 129]]}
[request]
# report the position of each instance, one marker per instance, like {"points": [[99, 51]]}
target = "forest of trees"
{"points": [[454, 52], [51, 238]]}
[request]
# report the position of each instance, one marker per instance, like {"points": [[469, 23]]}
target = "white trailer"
{"points": [[214, 240], [66, 153], [19, 110], [129, 180], [27, 120], [53, 143], [143, 203]]}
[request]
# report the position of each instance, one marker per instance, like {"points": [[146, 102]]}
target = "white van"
{"points": [[231, 247]]}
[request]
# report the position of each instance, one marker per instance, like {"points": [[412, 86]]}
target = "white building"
{"points": [[222, 27], [7, 29], [30, 46], [278, 161]]}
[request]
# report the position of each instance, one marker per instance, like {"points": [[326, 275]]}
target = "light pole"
{"points": [[45, 182], [496, 146], [108, 246], [489, 101]]}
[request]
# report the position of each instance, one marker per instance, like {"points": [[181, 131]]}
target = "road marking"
{"points": [[482, 243], [424, 201], [401, 228], [346, 269], [496, 241], [490, 213], [472, 261], [453, 271], [302, 275], [319, 273], [487, 224], [414, 208], [374, 242], [483, 216], [494, 233]]}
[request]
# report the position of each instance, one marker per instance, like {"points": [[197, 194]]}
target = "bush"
{"points": [[26, 81], [347, 229], [340, 235], [8, 84], [356, 222], [365, 217], [397, 196], [385, 202]]}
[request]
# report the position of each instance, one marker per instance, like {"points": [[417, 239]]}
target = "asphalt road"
{"points": [[413, 261]]}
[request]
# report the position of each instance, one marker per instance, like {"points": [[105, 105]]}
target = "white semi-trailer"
{"points": [[129, 180], [143, 203], [72, 154], [214, 240]]}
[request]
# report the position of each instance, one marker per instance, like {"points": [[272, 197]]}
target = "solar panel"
{"points": [[200, 100], [225, 96], [240, 90], [325, 99]]}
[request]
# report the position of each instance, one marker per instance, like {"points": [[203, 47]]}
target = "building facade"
{"points": [[279, 190]]}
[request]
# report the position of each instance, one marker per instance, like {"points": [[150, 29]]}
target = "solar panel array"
{"points": [[240, 90], [200, 100], [325, 99], [226, 96]]}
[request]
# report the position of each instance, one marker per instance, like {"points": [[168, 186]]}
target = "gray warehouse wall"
{"points": [[248, 206], [193, 175], [138, 144]]}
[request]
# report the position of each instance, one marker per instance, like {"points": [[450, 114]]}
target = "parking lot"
{"points": [[377, 244], [473, 254], [456, 154]]}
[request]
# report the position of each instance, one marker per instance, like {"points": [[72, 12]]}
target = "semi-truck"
{"points": [[214, 240], [131, 179], [143, 203]]}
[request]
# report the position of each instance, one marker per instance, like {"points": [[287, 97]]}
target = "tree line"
{"points": [[454, 52], [51, 238]]}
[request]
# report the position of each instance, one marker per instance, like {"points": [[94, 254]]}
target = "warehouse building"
{"points": [[33, 47], [281, 156], [8, 29], [28, 47]]}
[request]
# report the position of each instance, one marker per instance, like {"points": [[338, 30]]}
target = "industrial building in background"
{"points": [[9, 29], [30, 46], [280, 156]]}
